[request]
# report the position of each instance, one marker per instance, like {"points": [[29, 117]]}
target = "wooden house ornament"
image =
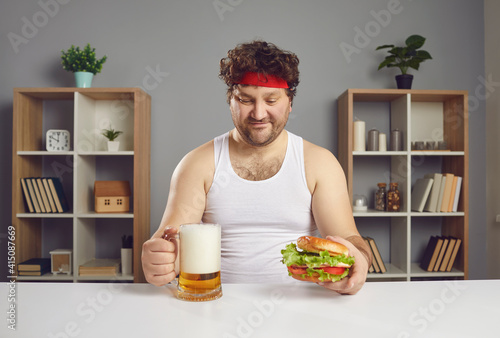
{"points": [[112, 196]]}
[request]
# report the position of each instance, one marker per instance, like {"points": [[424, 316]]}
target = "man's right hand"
{"points": [[159, 257]]}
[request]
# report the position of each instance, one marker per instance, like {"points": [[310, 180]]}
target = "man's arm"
{"points": [[190, 182], [332, 212]]}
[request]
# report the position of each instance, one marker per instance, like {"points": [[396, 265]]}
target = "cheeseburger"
{"points": [[318, 260]]}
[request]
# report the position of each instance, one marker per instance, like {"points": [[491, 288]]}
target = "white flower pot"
{"points": [[113, 145]]}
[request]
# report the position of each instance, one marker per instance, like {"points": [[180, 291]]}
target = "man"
{"points": [[264, 185]]}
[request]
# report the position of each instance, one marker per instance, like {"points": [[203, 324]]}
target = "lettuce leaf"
{"points": [[292, 256]]}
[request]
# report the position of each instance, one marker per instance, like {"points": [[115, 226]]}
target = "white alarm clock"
{"points": [[57, 140]]}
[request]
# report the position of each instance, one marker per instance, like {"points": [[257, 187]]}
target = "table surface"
{"points": [[380, 309]]}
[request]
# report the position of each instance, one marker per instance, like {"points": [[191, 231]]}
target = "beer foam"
{"points": [[200, 248]]}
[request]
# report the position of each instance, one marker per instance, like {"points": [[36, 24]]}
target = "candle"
{"points": [[373, 140], [382, 142], [359, 136]]}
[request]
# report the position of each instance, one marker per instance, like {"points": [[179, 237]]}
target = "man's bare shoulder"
{"points": [[316, 155], [320, 164], [198, 164]]}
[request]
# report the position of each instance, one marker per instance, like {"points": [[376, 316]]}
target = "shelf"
{"points": [[436, 214], [417, 271], [45, 215], [93, 214], [84, 112], [107, 153], [436, 153], [45, 153], [392, 272], [420, 115], [377, 213], [105, 278], [379, 153], [47, 277]]}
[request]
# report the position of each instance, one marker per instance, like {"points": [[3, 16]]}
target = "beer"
{"points": [[199, 278]]}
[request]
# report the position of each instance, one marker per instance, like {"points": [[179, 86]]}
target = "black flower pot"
{"points": [[404, 81]]}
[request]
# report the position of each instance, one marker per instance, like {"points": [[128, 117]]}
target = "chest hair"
{"points": [[257, 169]]}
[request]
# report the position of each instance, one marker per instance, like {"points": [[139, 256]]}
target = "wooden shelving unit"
{"points": [[431, 114], [84, 112]]}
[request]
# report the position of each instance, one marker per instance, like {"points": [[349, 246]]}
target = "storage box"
{"points": [[60, 261]]}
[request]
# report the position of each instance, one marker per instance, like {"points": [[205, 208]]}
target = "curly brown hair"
{"points": [[260, 57]]}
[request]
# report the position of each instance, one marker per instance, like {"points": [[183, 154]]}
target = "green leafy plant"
{"points": [[405, 57], [111, 134], [82, 60]]}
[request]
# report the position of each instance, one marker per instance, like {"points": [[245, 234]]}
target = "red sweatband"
{"points": [[263, 80]]}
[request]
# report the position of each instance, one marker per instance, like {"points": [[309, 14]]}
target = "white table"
{"points": [[382, 309]]}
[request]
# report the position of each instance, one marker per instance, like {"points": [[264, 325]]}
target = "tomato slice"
{"points": [[334, 270], [295, 270]]}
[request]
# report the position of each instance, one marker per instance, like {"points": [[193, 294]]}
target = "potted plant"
{"points": [[404, 58], [83, 63], [111, 135]]}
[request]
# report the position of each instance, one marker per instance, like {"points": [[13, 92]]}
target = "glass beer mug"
{"points": [[199, 277]]}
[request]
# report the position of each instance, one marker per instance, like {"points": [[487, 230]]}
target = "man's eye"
{"points": [[245, 101], [271, 101]]}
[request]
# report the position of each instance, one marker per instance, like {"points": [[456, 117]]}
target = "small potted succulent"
{"points": [[111, 135], [83, 63], [404, 58]]}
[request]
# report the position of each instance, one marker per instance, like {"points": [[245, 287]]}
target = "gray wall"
{"points": [[182, 41]]}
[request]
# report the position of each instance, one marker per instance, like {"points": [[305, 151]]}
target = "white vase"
{"points": [[126, 255], [113, 145]]}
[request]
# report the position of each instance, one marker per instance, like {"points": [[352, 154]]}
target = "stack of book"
{"points": [[440, 253], [100, 267], [377, 262], [34, 267], [436, 193], [44, 195]]}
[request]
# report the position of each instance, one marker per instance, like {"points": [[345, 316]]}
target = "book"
{"points": [[100, 267], [447, 254], [32, 195], [442, 250], [57, 192], [454, 255], [457, 194], [34, 273], [431, 253], [452, 193], [27, 197], [37, 194], [441, 193], [49, 194], [447, 192], [43, 194], [34, 264], [370, 268], [376, 255], [420, 193], [432, 200]]}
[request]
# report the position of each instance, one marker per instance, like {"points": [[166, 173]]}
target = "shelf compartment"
{"points": [[95, 113]]}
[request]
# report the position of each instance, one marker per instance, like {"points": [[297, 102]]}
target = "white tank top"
{"points": [[258, 218]]}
